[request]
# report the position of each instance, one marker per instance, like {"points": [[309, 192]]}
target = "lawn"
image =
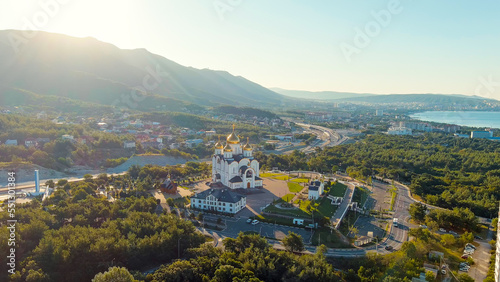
{"points": [[291, 212], [300, 180], [294, 187], [277, 176], [274, 220], [288, 197], [348, 221], [338, 190], [269, 174], [360, 195], [329, 239], [326, 208], [281, 177]]}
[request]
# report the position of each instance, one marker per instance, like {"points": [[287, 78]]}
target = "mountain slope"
{"points": [[321, 95], [381, 98], [93, 71]]}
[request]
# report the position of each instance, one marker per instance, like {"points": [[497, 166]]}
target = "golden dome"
{"points": [[233, 138], [219, 145], [228, 148], [247, 146]]}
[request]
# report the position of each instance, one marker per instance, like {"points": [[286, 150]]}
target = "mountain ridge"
{"points": [[99, 72]]}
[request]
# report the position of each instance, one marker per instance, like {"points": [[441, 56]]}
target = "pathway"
{"points": [[342, 209]]}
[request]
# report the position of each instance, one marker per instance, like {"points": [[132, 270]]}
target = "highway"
{"points": [[329, 136]]}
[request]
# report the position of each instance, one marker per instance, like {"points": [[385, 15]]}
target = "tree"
{"points": [[88, 177], [170, 202], [448, 240], [114, 274], [464, 277], [418, 211], [293, 242], [429, 276], [50, 183]]}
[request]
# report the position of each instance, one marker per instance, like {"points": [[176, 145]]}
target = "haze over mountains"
{"points": [[379, 98], [99, 73], [93, 71]]}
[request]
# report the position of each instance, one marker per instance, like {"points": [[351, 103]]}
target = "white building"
{"points": [[316, 189], [220, 200], [234, 166], [128, 144], [481, 134], [399, 131]]}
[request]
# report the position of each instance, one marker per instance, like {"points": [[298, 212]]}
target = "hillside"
{"points": [[93, 71], [382, 99]]}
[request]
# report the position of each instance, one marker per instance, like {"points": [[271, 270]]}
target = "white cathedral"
{"points": [[234, 166]]}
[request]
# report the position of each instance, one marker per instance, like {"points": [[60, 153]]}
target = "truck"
{"points": [[395, 222]]}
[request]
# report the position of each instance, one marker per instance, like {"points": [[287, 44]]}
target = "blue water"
{"points": [[465, 118]]}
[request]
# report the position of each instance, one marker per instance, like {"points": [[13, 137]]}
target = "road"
{"points": [[328, 136], [31, 187]]}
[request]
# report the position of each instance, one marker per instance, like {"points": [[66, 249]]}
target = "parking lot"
{"points": [[236, 225]]}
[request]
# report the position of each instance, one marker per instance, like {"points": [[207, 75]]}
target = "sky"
{"points": [[371, 46]]}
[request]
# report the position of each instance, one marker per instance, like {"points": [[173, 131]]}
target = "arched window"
{"points": [[249, 173]]}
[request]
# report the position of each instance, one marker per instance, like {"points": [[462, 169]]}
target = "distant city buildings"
{"points": [[481, 134], [399, 131], [379, 113]]}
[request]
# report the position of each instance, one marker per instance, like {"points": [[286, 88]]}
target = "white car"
{"points": [[423, 226], [469, 245], [453, 232], [442, 230], [255, 222]]}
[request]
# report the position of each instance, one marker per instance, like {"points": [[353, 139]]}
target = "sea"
{"points": [[464, 118]]}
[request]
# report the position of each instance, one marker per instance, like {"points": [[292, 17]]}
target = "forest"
{"points": [[444, 171], [77, 232]]}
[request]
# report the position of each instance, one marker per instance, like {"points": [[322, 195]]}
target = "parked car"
{"points": [[464, 269], [255, 222], [388, 248], [442, 230], [452, 232], [478, 237], [249, 220], [470, 246], [423, 226], [465, 256]]}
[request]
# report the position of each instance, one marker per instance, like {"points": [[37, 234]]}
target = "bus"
{"points": [[395, 222]]}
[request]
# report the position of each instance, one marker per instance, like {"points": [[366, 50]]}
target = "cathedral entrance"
{"points": [[248, 185]]}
